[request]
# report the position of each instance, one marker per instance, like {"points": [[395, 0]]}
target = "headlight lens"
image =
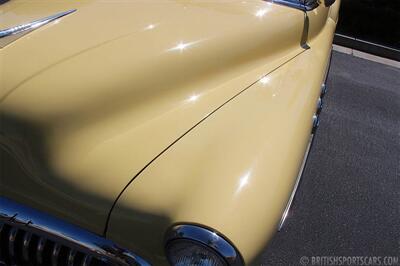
{"points": [[188, 244], [186, 252]]}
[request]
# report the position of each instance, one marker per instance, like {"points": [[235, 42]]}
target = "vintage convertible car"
{"points": [[155, 132]]}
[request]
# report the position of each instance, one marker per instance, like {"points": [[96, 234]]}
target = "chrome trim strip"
{"points": [[324, 88], [9, 35], [289, 4], [207, 237], [296, 185], [74, 237], [320, 105], [310, 5], [315, 120], [315, 124], [302, 5]]}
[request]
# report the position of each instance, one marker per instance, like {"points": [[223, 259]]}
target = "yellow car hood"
{"points": [[89, 100]]}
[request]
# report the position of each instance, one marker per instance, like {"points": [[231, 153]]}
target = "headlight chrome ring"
{"points": [[200, 238]]}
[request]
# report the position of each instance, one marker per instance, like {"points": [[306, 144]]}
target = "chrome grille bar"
{"points": [[1, 252], [39, 250], [11, 245], [71, 257], [55, 254], [25, 246], [86, 260]]}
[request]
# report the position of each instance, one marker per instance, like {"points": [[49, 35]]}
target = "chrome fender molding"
{"points": [[9, 35]]}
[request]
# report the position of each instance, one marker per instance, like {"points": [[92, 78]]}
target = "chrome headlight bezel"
{"points": [[209, 238]]}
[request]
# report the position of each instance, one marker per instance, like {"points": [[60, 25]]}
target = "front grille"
{"points": [[30, 237], [22, 247]]}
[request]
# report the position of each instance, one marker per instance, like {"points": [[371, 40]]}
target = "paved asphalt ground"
{"points": [[348, 202]]}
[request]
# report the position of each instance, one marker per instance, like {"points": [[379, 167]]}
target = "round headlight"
{"points": [[195, 245], [186, 252]]}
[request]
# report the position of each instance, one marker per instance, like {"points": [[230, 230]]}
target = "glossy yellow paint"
{"points": [[236, 170], [89, 101]]}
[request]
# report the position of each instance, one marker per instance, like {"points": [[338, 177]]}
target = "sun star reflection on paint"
{"points": [[264, 80], [243, 182], [193, 98]]}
